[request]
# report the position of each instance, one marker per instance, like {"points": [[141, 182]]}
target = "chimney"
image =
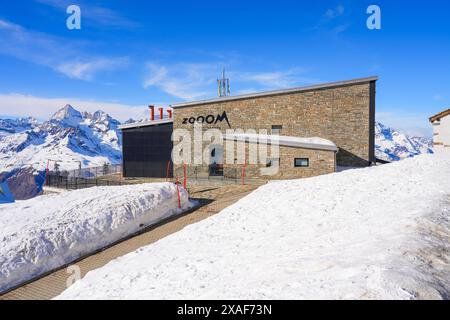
{"points": [[152, 113], [161, 113], [169, 112]]}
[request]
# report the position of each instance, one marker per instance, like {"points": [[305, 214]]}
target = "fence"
{"points": [[75, 183], [217, 175], [92, 172]]}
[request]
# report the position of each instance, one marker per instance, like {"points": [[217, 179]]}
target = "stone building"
{"points": [[341, 112], [319, 127]]}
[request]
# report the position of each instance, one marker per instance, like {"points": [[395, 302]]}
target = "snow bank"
{"points": [[47, 232], [372, 233]]}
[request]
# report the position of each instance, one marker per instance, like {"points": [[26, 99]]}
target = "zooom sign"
{"points": [[209, 119]]}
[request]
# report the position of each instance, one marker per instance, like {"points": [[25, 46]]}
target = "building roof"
{"points": [[278, 92], [287, 141], [144, 124], [440, 115]]}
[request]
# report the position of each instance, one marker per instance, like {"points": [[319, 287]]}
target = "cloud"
{"points": [[187, 81], [87, 70], [65, 57], [412, 124], [193, 81], [95, 14], [333, 21], [277, 79], [22, 105], [439, 98], [334, 12]]}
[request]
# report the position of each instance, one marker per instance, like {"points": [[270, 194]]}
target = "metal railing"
{"points": [[75, 183], [92, 172]]}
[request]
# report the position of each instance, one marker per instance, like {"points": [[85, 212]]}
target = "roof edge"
{"points": [[277, 92], [440, 115], [144, 124]]}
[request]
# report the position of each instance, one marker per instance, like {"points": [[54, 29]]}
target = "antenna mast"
{"points": [[223, 85]]}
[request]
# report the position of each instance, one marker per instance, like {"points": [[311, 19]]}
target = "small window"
{"points": [[213, 153], [276, 129], [301, 162]]}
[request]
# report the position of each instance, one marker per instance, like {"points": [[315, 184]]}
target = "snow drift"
{"points": [[47, 232], [372, 233]]}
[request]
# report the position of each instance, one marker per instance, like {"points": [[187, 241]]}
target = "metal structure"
{"points": [[223, 86]]}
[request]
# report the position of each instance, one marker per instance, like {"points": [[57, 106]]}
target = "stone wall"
{"points": [[343, 114]]}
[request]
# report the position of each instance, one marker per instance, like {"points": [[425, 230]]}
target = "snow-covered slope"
{"points": [[47, 232], [68, 137], [393, 145], [374, 233], [12, 126]]}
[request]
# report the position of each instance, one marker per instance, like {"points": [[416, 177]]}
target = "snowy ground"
{"points": [[47, 232], [380, 232]]}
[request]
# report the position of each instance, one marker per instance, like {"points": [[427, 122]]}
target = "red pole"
{"points": [[152, 113], [185, 177], [161, 113], [169, 112], [178, 193]]}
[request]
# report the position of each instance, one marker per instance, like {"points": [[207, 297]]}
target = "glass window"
{"points": [[301, 162], [276, 129]]}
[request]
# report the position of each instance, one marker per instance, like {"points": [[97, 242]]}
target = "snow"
{"points": [[47, 232], [301, 142], [372, 233]]}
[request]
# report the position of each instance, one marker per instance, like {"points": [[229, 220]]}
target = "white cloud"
{"points": [[277, 79], [21, 105], [412, 124], [187, 81], [193, 81], [87, 70], [334, 12], [65, 57]]}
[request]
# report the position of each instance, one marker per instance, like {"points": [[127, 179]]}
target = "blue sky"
{"points": [[129, 54]]}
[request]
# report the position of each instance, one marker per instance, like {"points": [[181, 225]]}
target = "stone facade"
{"points": [[343, 114]]}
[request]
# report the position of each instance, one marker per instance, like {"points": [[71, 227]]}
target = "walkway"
{"points": [[212, 199]]}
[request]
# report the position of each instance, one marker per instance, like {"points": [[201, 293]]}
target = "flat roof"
{"points": [[277, 92], [287, 141], [144, 124]]}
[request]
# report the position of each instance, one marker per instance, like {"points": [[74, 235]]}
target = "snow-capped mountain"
{"points": [[69, 137], [12, 126], [393, 145]]}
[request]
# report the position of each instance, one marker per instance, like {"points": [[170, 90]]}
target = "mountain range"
{"points": [[75, 138]]}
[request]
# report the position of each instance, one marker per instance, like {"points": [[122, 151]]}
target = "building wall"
{"points": [[320, 162], [147, 150], [342, 114], [442, 134]]}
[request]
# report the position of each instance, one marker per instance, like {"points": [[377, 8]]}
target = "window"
{"points": [[213, 153], [276, 129], [301, 162]]}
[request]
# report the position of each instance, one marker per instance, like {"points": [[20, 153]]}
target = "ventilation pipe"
{"points": [[161, 113], [152, 113]]}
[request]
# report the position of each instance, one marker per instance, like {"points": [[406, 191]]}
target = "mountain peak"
{"points": [[67, 112]]}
